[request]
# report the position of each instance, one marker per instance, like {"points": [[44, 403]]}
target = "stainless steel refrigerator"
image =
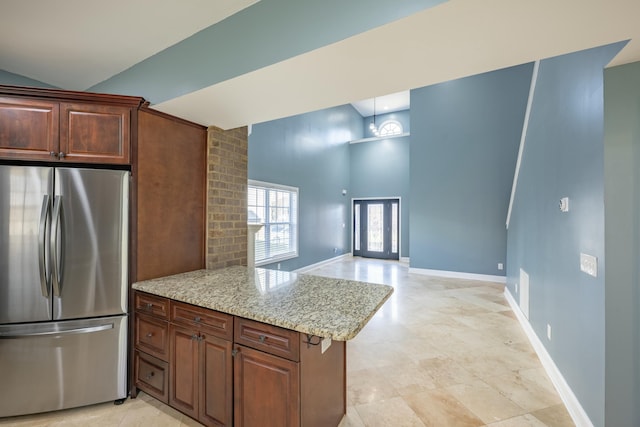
{"points": [[63, 287]]}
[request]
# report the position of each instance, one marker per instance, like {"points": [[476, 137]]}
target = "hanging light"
{"points": [[372, 125]]}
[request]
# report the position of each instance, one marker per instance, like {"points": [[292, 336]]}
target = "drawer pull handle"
{"points": [[194, 337], [262, 338], [197, 319], [149, 335], [151, 374], [149, 306]]}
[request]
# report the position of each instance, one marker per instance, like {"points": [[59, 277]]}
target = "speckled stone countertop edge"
{"points": [[171, 287]]}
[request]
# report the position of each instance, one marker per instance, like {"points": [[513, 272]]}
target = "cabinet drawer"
{"points": [[151, 304], [152, 335], [271, 339], [152, 376], [203, 319]]}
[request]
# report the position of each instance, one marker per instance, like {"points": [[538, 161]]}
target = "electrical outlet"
{"points": [[589, 264], [500, 266], [549, 332], [278, 266]]}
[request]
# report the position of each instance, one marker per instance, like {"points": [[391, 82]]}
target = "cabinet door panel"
{"points": [[216, 385], [183, 378], [266, 390], [95, 133], [28, 128]]}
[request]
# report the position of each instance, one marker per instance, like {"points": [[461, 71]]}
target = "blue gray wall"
{"points": [[563, 157], [622, 244], [255, 37], [7, 78], [381, 169], [310, 151], [465, 136]]}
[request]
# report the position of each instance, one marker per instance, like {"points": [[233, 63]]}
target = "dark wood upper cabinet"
{"points": [[91, 133], [28, 128]]}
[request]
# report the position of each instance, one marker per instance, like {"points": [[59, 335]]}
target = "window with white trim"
{"points": [[390, 127], [275, 206]]}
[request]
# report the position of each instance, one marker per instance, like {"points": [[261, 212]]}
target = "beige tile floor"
{"points": [[440, 352]]}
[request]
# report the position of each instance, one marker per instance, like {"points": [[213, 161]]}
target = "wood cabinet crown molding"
{"points": [[69, 95]]}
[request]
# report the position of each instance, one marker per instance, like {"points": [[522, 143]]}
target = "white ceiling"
{"points": [[77, 43]]}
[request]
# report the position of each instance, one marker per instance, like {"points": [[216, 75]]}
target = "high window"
{"points": [[275, 206], [390, 127]]}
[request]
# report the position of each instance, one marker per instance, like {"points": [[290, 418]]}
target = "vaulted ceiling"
{"points": [[231, 63]]}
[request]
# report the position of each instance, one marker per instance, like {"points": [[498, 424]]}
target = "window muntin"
{"points": [[389, 128], [275, 206]]}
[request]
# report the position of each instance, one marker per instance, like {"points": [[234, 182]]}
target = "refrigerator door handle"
{"points": [[45, 274], [55, 334], [56, 257]]}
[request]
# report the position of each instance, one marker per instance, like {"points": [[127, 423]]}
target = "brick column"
{"points": [[226, 197]]}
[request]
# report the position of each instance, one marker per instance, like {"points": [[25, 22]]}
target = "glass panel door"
{"points": [[376, 228]]}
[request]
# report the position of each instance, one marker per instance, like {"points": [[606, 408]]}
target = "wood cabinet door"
{"points": [[216, 385], [266, 390], [92, 133], [28, 128], [183, 376]]}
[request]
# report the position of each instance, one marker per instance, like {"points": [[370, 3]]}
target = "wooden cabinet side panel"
{"points": [[95, 133], [183, 370], [170, 191], [322, 384], [28, 128], [266, 390], [216, 385]]}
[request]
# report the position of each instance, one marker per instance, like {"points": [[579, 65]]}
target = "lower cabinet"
{"points": [[230, 371], [266, 389], [201, 370]]}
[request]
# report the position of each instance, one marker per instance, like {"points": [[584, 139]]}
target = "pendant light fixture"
{"points": [[372, 125]]}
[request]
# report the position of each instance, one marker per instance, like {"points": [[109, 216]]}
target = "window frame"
{"points": [[391, 122], [293, 220]]}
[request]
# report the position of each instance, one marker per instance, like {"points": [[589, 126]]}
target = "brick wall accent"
{"points": [[226, 197]]}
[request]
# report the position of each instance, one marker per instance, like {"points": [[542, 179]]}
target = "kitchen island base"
{"points": [[264, 376]]}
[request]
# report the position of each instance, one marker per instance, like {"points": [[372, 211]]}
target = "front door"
{"points": [[376, 228]]}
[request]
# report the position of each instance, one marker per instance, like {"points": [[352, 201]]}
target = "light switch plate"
{"points": [[589, 264]]}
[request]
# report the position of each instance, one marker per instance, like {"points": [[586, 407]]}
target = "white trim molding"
{"points": [[321, 263], [570, 400], [523, 137], [458, 275]]}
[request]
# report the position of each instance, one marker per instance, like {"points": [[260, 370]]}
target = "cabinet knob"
{"points": [[148, 306], [53, 154], [151, 374], [194, 337], [197, 319], [149, 335], [61, 155], [262, 338]]}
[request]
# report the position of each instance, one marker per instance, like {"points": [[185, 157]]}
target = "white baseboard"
{"points": [[404, 259], [321, 263], [578, 414], [458, 275]]}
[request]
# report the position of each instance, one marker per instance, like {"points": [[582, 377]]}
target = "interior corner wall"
{"points": [[465, 137], [310, 151], [12, 79], [381, 169], [622, 244], [563, 157]]}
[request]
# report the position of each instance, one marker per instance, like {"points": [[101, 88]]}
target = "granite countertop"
{"points": [[321, 306]]}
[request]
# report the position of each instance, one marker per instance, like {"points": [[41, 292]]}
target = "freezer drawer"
{"points": [[58, 365]]}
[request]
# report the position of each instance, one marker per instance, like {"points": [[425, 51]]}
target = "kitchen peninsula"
{"points": [[250, 346]]}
